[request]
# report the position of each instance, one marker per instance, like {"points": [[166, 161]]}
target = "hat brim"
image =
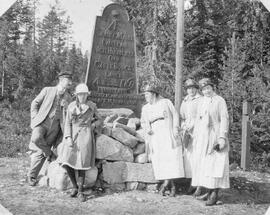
{"points": [[208, 84], [192, 85], [83, 92]]}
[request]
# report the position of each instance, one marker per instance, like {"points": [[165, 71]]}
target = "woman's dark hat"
{"points": [[191, 83], [65, 74], [152, 87], [205, 82]]}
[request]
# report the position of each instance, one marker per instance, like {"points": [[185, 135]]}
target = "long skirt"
{"points": [[167, 160]]}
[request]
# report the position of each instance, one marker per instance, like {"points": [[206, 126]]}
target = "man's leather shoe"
{"points": [[73, 193], [82, 197], [32, 181]]}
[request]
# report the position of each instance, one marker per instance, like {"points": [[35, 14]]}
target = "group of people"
{"points": [[196, 147], [55, 119], [193, 145]]}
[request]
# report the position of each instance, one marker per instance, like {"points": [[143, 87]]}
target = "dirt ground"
{"points": [[250, 194]]}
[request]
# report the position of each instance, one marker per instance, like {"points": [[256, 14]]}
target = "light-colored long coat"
{"points": [[211, 168], [188, 113], [166, 150], [81, 155]]}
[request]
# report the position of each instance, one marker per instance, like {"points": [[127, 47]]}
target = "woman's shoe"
{"points": [[212, 200], [203, 197], [173, 190], [198, 191], [82, 197], [74, 193], [191, 190], [162, 190]]}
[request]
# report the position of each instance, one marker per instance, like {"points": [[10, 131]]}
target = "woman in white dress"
{"points": [[211, 146], [161, 124], [188, 113]]}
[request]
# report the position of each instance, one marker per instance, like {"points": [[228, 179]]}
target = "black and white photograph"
{"points": [[135, 107]]}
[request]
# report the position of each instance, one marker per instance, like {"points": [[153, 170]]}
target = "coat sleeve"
{"points": [[68, 124], [224, 119], [144, 120], [36, 103], [175, 115], [182, 113]]}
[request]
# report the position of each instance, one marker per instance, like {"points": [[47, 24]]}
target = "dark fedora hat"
{"points": [[191, 83], [205, 82], [65, 74]]}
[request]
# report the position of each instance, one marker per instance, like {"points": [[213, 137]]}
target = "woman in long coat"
{"points": [[211, 147], [160, 121], [78, 152], [188, 113]]}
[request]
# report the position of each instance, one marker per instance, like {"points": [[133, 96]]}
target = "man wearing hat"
{"points": [[188, 113], [211, 146], [47, 111]]}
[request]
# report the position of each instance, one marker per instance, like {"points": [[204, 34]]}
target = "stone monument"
{"points": [[111, 75]]}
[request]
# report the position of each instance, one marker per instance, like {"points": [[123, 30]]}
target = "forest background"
{"points": [[226, 40]]}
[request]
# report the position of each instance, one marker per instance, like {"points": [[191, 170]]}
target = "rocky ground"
{"points": [[250, 194]]}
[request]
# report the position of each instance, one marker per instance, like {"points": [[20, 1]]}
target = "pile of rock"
{"points": [[120, 151]]}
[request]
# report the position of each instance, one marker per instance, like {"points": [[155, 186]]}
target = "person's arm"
{"points": [[37, 102], [175, 118], [145, 123], [68, 127], [224, 119], [224, 125]]}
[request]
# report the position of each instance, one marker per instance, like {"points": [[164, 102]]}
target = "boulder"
{"points": [[126, 128], [124, 137], [110, 119], [43, 181], [112, 188], [135, 186], [57, 177], [142, 158], [106, 130], [119, 172], [125, 112], [134, 123], [110, 149], [139, 149], [90, 177], [121, 120], [140, 134]]}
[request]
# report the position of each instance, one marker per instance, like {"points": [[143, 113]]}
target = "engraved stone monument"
{"points": [[111, 76]]}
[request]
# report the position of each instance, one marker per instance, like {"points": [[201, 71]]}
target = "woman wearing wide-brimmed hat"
{"points": [[188, 113], [211, 147], [78, 152], [161, 123]]}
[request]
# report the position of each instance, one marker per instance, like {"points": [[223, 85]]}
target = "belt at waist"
{"points": [[160, 118]]}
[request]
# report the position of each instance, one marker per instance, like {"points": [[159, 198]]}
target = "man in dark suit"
{"points": [[47, 116]]}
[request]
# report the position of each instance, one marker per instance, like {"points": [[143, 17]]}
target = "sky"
{"points": [[82, 13]]}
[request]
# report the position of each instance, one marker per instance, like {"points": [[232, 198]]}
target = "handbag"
{"points": [[186, 138]]}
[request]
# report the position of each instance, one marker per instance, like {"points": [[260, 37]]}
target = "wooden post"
{"points": [[245, 152], [179, 54]]}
